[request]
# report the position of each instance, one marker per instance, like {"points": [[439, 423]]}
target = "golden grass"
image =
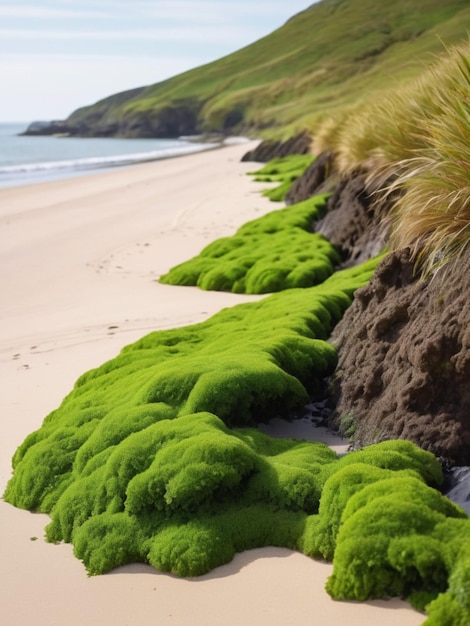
{"points": [[415, 144], [380, 131], [433, 212]]}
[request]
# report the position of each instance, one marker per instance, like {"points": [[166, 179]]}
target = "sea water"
{"points": [[26, 159]]}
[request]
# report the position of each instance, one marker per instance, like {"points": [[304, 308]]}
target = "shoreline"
{"points": [[64, 166], [79, 262]]}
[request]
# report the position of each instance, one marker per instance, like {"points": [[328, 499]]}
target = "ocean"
{"points": [[25, 160]]}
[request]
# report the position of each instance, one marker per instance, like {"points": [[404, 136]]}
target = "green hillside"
{"points": [[331, 55]]}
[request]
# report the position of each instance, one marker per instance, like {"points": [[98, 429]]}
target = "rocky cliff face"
{"points": [[54, 127], [404, 345], [270, 149], [106, 119], [356, 219]]}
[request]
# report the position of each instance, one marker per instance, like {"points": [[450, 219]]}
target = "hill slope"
{"points": [[328, 56]]}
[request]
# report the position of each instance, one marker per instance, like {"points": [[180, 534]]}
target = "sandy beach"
{"points": [[79, 259]]}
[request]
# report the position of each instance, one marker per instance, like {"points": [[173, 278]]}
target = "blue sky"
{"points": [[58, 55]]}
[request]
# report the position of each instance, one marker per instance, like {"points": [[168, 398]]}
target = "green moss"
{"points": [[452, 606], [191, 548], [152, 458], [277, 194], [389, 533], [446, 611], [140, 434], [184, 492], [399, 455], [397, 536], [283, 170], [275, 252], [335, 495], [351, 475], [393, 554], [280, 168], [109, 540]]}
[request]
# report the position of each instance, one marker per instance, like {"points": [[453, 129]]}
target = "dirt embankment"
{"points": [[404, 344], [404, 359]]}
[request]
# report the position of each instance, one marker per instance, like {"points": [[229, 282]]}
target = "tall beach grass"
{"points": [[414, 143]]}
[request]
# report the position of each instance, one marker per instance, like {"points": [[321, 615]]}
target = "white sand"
{"points": [[78, 261]]}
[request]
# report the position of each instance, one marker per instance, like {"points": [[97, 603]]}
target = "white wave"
{"points": [[88, 163]]}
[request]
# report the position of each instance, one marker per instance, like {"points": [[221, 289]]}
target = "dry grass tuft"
{"points": [[433, 213], [415, 144]]}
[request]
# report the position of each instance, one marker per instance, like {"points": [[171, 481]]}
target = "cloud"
{"points": [[211, 10], [231, 23]]}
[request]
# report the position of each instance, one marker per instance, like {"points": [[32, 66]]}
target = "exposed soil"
{"points": [[317, 178], [269, 149], [356, 220], [404, 344], [404, 359]]}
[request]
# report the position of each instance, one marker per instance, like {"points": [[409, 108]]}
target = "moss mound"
{"points": [[390, 533], [152, 456], [400, 538], [275, 252], [139, 438], [282, 170], [136, 466]]}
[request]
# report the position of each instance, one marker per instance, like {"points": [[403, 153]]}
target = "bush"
{"points": [[414, 144]]}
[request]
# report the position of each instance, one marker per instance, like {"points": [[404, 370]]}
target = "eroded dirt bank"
{"points": [[404, 359]]}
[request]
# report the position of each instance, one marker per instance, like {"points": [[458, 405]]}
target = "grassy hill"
{"points": [[331, 55]]}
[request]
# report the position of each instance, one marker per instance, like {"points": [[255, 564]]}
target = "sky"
{"points": [[59, 55]]}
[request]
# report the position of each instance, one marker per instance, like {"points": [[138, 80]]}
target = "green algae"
{"points": [[352, 474], [280, 168], [275, 252], [391, 543], [390, 533], [451, 607]]}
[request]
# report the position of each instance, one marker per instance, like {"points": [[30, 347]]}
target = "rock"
{"points": [[457, 487], [180, 117], [404, 359], [41, 128], [354, 220], [317, 178], [269, 149]]}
